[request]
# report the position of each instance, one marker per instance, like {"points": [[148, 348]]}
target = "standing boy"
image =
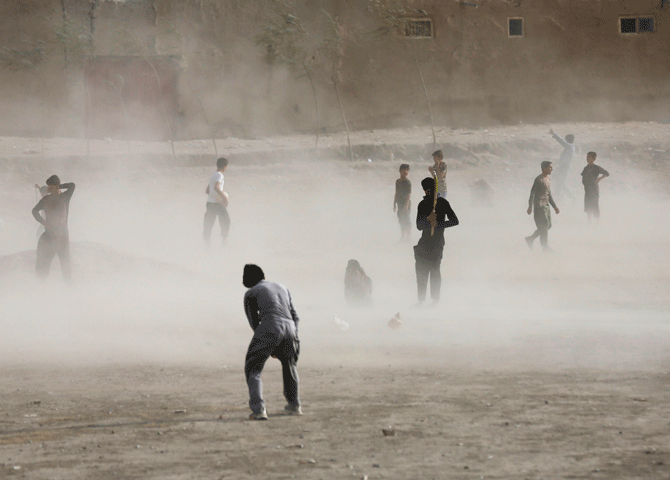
{"points": [[540, 199], [591, 177], [564, 164], [273, 319], [217, 201], [430, 220], [402, 202], [56, 238], [439, 169]]}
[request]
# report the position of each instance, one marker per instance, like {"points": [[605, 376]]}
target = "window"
{"points": [[636, 25], [645, 25], [515, 27], [628, 25], [419, 28]]}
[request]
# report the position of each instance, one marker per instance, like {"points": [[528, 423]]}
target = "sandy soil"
{"points": [[535, 366]]}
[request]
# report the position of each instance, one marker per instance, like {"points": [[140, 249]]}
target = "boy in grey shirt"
{"points": [[273, 319]]}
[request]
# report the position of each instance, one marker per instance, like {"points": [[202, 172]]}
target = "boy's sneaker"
{"points": [[262, 415], [291, 410]]}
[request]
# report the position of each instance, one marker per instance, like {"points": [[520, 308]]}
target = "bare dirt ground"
{"points": [[534, 366]]}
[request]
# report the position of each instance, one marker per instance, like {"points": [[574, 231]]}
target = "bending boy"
{"points": [[274, 321]]}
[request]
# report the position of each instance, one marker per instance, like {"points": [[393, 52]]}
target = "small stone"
{"points": [[16, 467], [376, 465], [466, 467], [181, 410], [389, 431]]}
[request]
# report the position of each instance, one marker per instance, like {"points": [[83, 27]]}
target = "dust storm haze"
{"points": [[146, 289]]}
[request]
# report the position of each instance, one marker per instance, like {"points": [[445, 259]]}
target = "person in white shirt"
{"points": [[217, 201]]}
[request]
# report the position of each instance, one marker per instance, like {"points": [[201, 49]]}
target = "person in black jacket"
{"points": [[55, 240], [428, 252]]}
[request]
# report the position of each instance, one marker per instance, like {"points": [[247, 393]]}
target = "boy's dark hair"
{"points": [[428, 184], [252, 275], [404, 166], [221, 162], [545, 164], [438, 153], [53, 180], [592, 154], [570, 138]]}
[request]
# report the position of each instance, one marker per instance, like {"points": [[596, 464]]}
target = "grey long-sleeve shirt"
{"points": [[269, 307]]}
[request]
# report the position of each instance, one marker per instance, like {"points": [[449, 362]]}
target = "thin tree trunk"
{"points": [[346, 126], [204, 114], [425, 91], [316, 106]]}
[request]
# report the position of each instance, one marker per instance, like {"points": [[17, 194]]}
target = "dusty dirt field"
{"points": [[534, 366]]}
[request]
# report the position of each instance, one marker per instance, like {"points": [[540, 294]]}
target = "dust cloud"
{"points": [[145, 288]]}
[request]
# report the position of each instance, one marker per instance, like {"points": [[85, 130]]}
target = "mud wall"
{"points": [[570, 64]]}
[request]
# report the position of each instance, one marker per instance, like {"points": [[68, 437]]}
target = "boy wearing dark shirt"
{"points": [[273, 319], [591, 177], [55, 239], [430, 220], [402, 202], [539, 200]]}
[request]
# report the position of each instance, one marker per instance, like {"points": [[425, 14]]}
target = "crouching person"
{"points": [[274, 321]]}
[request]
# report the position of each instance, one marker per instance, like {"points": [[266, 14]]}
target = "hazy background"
{"points": [[146, 289]]}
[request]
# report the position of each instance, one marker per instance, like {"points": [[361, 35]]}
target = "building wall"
{"points": [[571, 64]]}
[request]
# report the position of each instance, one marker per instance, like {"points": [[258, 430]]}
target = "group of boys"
{"points": [[434, 214], [268, 305], [541, 198]]}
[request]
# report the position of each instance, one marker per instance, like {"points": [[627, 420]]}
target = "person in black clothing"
{"points": [[428, 252], [591, 177], [273, 319], [402, 201], [55, 239]]}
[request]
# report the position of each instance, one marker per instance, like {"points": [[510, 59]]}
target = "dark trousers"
{"points": [[48, 246], [542, 218], [286, 348], [216, 210], [426, 268]]}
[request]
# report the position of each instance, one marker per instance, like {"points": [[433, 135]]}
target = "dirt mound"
{"points": [[91, 261]]}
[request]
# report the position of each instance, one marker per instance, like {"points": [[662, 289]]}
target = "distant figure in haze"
{"points": [[440, 170], [540, 199], [591, 177], [564, 164], [56, 239], [430, 220], [357, 285], [273, 319], [217, 201], [402, 202]]}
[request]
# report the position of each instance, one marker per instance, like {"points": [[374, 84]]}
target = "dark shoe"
{"points": [[292, 410], [529, 242], [262, 415]]}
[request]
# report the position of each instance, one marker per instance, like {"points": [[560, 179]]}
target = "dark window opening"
{"points": [[419, 28], [516, 27], [628, 25], [645, 25]]}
